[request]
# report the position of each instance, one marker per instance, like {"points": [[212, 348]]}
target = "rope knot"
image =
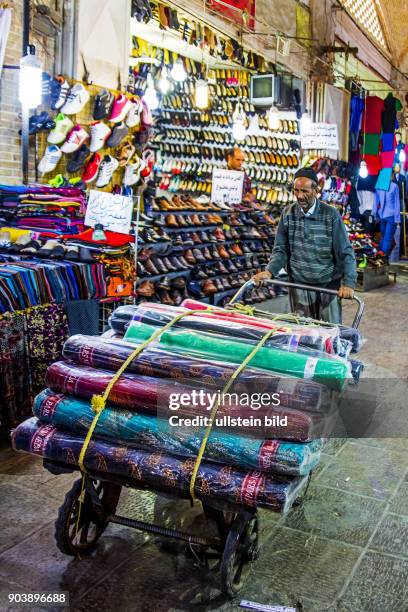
{"points": [[98, 403], [245, 309]]}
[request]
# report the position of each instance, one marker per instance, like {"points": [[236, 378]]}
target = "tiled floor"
{"points": [[344, 549]]}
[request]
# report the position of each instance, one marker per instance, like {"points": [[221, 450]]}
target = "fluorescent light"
{"points": [[201, 94], [30, 82]]}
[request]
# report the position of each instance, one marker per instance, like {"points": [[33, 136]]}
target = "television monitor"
{"points": [[263, 90]]}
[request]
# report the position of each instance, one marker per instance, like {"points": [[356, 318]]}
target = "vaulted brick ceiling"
{"points": [[393, 15]]}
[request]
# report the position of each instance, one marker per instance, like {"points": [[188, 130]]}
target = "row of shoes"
{"points": [[263, 175], [195, 238], [274, 196], [228, 267], [194, 119], [173, 220], [174, 185], [186, 202], [171, 292]]}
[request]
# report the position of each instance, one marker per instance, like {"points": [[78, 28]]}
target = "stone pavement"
{"points": [[345, 549]]}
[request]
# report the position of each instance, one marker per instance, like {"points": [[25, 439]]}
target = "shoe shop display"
{"points": [[103, 105], [121, 106], [91, 169], [78, 159], [118, 134]]}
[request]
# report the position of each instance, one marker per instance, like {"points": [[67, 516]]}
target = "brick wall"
{"points": [[10, 118]]}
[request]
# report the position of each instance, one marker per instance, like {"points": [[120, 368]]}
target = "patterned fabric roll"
{"points": [[160, 471], [152, 396], [109, 354], [155, 434]]}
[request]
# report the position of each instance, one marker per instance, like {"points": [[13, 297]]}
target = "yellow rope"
{"points": [[214, 411]]}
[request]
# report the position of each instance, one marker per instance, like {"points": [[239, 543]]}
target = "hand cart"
{"points": [[88, 508]]}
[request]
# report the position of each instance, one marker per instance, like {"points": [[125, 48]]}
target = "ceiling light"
{"points": [[164, 82], [363, 171], [178, 72]]}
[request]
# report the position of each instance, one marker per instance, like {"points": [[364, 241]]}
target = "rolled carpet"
{"points": [[160, 471], [110, 354], [152, 396], [331, 371], [154, 434]]}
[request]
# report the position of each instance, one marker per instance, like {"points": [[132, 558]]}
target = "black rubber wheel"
{"points": [[241, 548], [80, 538]]}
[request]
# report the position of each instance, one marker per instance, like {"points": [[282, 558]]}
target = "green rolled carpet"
{"points": [[332, 372]]}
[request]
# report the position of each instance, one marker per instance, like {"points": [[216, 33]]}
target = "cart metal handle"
{"points": [[251, 284]]}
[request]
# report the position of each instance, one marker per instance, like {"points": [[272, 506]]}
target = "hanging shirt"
{"points": [[371, 123], [387, 203], [389, 114], [366, 201], [356, 113]]}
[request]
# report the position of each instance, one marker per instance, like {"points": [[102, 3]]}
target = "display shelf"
{"points": [[156, 277]]}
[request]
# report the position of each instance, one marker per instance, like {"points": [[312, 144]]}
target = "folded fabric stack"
{"points": [[43, 208], [32, 282], [141, 435]]}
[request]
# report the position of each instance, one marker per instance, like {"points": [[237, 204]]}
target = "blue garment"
{"points": [[356, 113], [387, 142], [387, 204], [387, 228], [384, 179]]}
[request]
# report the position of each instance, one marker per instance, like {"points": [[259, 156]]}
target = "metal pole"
{"points": [[25, 110], [404, 220]]}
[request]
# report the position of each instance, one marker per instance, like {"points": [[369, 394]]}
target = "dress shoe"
{"points": [[165, 297], [225, 284], [245, 248], [223, 252], [179, 282], [200, 274], [195, 219], [238, 264], [234, 281], [159, 264], [150, 267], [176, 263], [170, 267], [219, 285], [199, 257], [181, 221], [204, 237], [146, 289], [189, 257], [164, 283], [207, 254], [209, 287], [171, 221], [177, 296], [230, 266], [186, 265], [221, 268], [164, 235], [196, 238], [219, 234], [236, 250]]}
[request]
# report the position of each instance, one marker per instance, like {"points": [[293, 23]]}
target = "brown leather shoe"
{"points": [[195, 238], [171, 221], [208, 287], [146, 289], [189, 257], [165, 297], [150, 267], [181, 222], [196, 220], [236, 249], [223, 252]]}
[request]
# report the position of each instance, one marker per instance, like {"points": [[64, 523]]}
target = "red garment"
{"points": [[373, 163], [112, 238], [387, 159], [371, 122]]}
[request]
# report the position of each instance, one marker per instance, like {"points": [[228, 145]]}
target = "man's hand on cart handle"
{"points": [[346, 293], [261, 276]]}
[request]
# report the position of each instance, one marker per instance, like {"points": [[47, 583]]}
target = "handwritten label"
{"points": [[113, 211], [227, 186], [320, 136]]}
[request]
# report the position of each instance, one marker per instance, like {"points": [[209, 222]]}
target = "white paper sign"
{"points": [[227, 186], [113, 211], [320, 136]]}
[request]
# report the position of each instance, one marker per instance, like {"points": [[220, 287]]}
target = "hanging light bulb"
{"points": [[201, 94], [402, 156], [273, 118], [164, 82], [305, 122], [238, 125], [178, 72], [30, 83], [363, 171], [150, 95]]}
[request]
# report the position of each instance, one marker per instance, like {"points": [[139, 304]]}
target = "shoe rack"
{"points": [[190, 143], [201, 250]]}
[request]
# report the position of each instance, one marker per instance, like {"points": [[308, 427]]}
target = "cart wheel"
{"points": [[82, 540], [240, 549]]}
